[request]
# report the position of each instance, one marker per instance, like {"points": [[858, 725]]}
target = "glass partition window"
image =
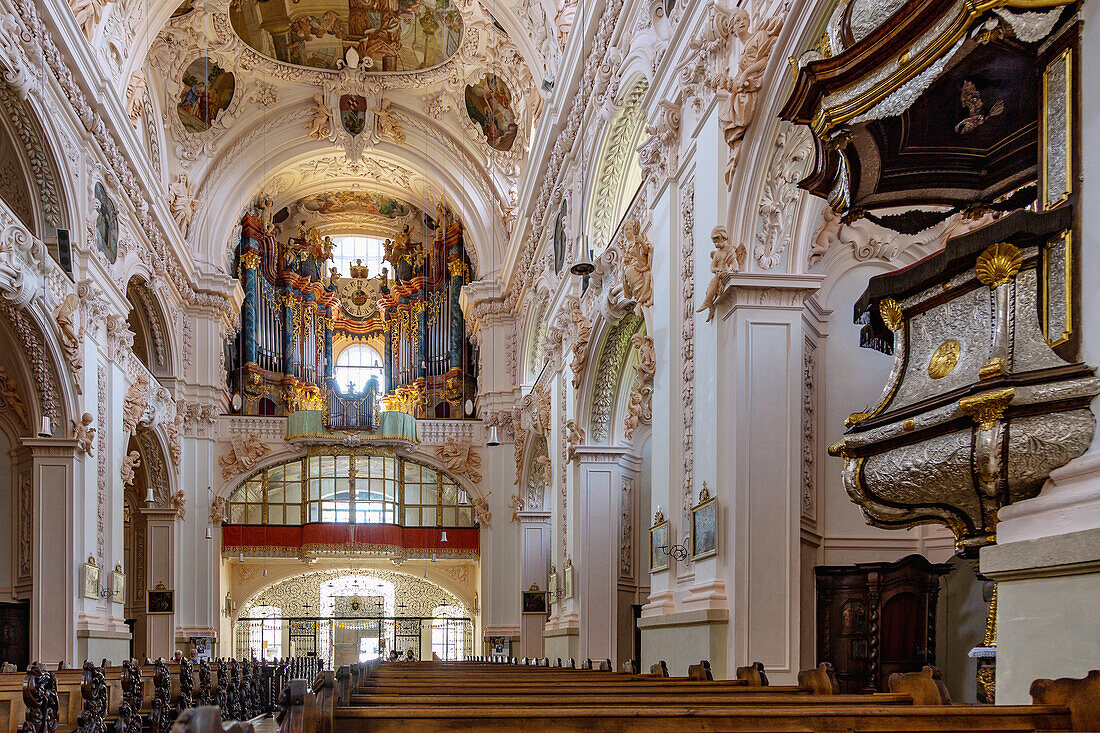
{"points": [[351, 488], [355, 366]]}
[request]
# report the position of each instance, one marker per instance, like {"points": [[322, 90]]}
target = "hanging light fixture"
{"points": [[584, 265], [494, 438], [149, 498]]}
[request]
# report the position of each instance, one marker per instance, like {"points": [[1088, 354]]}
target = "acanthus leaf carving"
{"points": [[640, 400], [244, 454]]}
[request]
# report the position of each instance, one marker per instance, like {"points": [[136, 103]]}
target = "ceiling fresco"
{"points": [[389, 35]]}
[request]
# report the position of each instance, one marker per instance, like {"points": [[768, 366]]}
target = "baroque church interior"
{"points": [[629, 365]]}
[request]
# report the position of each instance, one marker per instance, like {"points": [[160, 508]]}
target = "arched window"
{"points": [[355, 365], [351, 488], [369, 250]]}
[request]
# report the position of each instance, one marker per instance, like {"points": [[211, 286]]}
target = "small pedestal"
{"points": [[987, 672]]}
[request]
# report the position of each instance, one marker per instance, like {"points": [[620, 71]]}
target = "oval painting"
{"points": [[207, 90], [388, 35], [489, 104]]}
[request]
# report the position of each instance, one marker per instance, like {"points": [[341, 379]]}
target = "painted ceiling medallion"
{"points": [[389, 35], [489, 104]]}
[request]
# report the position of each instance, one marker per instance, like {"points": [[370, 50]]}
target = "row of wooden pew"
{"points": [[133, 697], [536, 697]]}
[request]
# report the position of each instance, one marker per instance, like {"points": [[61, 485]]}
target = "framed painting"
{"points": [[160, 600], [90, 579], [534, 600], [118, 585], [704, 526], [658, 547], [567, 579], [552, 583]]}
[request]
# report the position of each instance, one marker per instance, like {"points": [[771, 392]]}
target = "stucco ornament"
{"points": [[181, 201], [88, 14], [67, 316], [756, 48], [389, 127], [827, 233], [640, 401], [243, 455], [179, 503], [516, 505], [637, 266], [519, 443], [129, 463], [135, 403], [481, 510], [320, 119], [10, 399], [217, 511], [84, 433], [175, 445], [136, 90], [540, 414], [574, 437], [725, 259], [461, 459], [582, 334]]}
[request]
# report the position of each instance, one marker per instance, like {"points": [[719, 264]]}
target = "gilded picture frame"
{"points": [[659, 542], [567, 580], [552, 584], [160, 600], [118, 585], [534, 601], [90, 579], [704, 528]]}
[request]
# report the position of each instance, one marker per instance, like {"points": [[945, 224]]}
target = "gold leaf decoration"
{"points": [[998, 264], [890, 310], [944, 359]]}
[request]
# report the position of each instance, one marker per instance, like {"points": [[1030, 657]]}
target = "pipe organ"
{"points": [[298, 312], [284, 349], [429, 363]]}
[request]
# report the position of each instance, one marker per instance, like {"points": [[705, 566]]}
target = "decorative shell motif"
{"points": [[998, 264], [890, 310]]}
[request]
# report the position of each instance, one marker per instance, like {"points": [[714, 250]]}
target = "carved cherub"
{"points": [[574, 436], [481, 509], [179, 502], [129, 463], [67, 318], [724, 260], [516, 505], [84, 434], [217, 510]]}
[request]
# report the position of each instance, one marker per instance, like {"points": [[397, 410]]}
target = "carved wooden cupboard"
{"points": [[874, 619]]}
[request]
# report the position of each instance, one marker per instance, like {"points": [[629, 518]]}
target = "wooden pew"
{"points": [[440, 698]]}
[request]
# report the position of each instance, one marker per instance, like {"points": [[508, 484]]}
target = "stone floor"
{"points": [[265, 725]]}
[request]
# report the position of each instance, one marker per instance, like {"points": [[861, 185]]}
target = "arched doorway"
{"points": [[349, 615]]}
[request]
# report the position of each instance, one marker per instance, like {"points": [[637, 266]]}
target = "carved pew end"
{"points": [[820, 680], [925, 687], [753, 674], [700, 671], [1081, 696]]}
